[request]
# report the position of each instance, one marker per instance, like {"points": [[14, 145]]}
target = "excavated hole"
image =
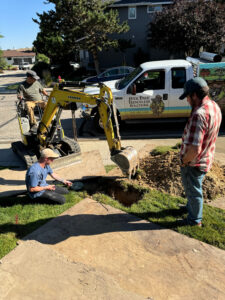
{"points": [[123, 193]]}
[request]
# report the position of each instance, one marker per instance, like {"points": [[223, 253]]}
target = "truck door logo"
{"points": [[157, 105], [139, 101]]}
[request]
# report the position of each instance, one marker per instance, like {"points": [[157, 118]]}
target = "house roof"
{"points": [[15, 53], [140, 2]]}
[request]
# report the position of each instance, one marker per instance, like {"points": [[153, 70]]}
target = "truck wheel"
{"points": [[98, 123]]}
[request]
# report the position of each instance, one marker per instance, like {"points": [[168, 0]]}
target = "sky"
{"points": [[16, 24]]}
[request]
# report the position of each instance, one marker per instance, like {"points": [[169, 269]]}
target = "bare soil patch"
{"points": [[162, 172]]}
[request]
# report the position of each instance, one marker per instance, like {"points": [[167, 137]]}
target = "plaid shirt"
{"points": [[202, 130]]}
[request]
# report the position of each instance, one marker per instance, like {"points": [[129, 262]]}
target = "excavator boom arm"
{"points": [[61, 98]]}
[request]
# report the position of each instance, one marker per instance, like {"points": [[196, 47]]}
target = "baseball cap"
{"points": [[46, 153], [32, 74], [193, 85]]}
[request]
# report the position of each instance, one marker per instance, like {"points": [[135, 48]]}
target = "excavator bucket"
{"points": [[127, 160]]}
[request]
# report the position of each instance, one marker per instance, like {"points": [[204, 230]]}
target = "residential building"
{"points": [[16, 57], [138, 14]]}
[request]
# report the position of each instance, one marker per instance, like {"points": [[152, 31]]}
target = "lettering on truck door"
{"points": [[178, 108], [147, 97]]}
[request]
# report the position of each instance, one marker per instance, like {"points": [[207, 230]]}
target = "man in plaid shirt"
{"points": [[198, 144]]}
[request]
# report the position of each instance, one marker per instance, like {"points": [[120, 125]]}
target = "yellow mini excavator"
{"points": [[50, 132]]}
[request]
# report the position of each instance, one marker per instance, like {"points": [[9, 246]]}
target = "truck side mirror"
{"points": [[133, 89]]}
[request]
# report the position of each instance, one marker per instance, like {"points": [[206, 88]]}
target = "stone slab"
{"points": [[35, 271], [94, 251]]}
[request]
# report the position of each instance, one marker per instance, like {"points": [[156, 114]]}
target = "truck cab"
{"points": [[151, 91]]}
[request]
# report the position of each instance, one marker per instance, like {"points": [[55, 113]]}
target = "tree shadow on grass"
{"points": [[22, 230], [23, 199], [161, 216], [66, 226]]}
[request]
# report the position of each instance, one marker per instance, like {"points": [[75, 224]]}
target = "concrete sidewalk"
{"points": [[94, 251]]}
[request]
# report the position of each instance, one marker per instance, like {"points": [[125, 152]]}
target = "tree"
{"points": [[186, 26], [123, 45], [2, 60], [74, 19], [49, 40], [42, 58]]}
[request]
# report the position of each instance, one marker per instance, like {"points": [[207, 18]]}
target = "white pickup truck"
{"points": [[152, 90]]}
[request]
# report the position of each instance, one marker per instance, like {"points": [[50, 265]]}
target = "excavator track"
{"points": [[72, 145], [27, 155], [70, 151]]}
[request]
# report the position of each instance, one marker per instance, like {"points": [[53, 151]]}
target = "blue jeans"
{"points": [[192, 181]]}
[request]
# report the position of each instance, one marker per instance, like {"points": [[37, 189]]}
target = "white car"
{"points": [[24, 66]]}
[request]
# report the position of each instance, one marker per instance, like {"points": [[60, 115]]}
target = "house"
{"points": [[138, 14], [16, 57]]}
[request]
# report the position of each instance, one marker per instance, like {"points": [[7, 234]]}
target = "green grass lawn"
{"points": [[20, 216], [13, 87], [164, 210], [108, 168]]}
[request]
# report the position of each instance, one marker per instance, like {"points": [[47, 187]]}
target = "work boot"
{"points": [[185, 222]]}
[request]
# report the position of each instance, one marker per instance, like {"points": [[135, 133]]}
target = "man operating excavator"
{"points": [[30, 90]]}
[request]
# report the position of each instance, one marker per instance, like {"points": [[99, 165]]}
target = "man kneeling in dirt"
{"points": [[37, 186], [198, 144], [31, 90]]}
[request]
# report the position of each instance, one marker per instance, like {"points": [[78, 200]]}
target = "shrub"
{"points": [[41, 68], [44, 72], [64, 71]]}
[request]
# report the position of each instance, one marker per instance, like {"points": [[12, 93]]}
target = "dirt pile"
{"points": [[162, 172]]}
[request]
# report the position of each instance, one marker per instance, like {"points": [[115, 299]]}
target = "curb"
{"points": [[7, 92]]}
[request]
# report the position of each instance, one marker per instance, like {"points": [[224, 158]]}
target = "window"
{"points": [[124, 71], [131, 12], [126, 80], [153, 8], [110, 73], [178, 78], [17, 61], [151, 80], [9, 58], [28, 60]]}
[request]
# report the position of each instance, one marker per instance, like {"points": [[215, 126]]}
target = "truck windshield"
{"points": [[121, 84]]}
